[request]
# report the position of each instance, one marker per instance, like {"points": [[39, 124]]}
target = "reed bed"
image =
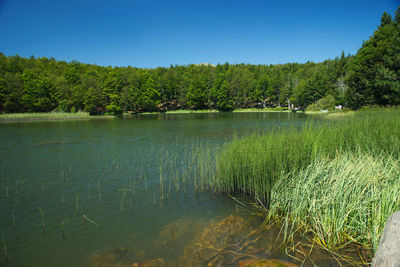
{"points": [[338, 179], [253, 164], [16, 117], [43, 115], [347, 199]]}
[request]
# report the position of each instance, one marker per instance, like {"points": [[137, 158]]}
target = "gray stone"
{"points": [[388, 252]]}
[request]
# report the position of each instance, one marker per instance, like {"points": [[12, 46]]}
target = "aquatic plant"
{"points": [[346, 199], [121, 204], [76, 204], [90, 220], [337, 179], [253, 164], [62, 226], [5, 248], [42, 215]]}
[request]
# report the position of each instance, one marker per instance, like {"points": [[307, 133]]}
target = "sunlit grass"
{"points": [[317, 176], [187, 111], [252, 164], [47, 116], [262, 110], [347, 199]]}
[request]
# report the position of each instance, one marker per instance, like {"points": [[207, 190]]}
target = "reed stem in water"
{"points": [[42, 215], [76, 204], [5, 248]]}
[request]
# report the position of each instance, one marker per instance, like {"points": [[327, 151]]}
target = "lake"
{"points": [[120, 191]]}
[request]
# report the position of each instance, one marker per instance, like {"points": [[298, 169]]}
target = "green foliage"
{"points": [[150, 97], [113, 109], [345, 199], [196, 95], [3, 93], [369, 78], [313, 107], [374, 74], [94, 102], [326, 103], [338, 179], [72, 74], [224, 98], [38, 92], [43, 85], [253, 164], [63, 106]]}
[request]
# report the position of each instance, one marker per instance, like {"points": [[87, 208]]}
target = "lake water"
{"points": [[96, 192]]}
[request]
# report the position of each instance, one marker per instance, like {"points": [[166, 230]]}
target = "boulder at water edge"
{"points": [[388, 252]]}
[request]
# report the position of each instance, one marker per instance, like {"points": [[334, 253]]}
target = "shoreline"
{"points": [[188, 111], [60, 116], [50, 116]]}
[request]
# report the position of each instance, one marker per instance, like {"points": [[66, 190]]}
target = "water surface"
{"points": [[107, 184]]}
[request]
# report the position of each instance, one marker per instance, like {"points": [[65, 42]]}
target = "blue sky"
{"points": [[161, 33]]}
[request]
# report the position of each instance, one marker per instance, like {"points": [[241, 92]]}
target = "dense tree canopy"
{"points": [[374, 72], [38, 85], [371, 77]]}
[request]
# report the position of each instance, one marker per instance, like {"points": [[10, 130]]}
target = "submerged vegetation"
{"points": [[338, 179]]}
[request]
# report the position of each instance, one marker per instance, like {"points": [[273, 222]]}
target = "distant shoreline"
{"points": [[50, 116], [185, 111], [60, 116]]}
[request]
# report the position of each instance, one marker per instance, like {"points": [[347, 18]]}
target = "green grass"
{"points": [[179, 111], [260, 165], [278, 109], [252, 164], [347, 199], [11, 117], [185, 111]]}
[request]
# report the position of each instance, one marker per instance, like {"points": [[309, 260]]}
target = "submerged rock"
{"points": [[151, 263], [388, 252], [220, 244], [178, 232], [112, 258], [265, 263]]}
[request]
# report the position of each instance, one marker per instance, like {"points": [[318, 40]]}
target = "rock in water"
{"points": [[214, 241], [111, 258], [388, 252], [265, 263], [151, 263], [178, 232]]}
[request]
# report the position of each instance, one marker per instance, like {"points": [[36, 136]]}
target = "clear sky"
{"points": [[160, 33]]}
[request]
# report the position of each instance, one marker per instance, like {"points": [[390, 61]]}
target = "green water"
{"points": [[98, 185]]}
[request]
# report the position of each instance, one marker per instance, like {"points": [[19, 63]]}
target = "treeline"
{"points": [[371, 77]]}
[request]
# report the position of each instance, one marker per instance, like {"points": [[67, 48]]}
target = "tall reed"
{"points": [[347, 199], [5, 248], [76, 204], [337, 179], [252, 165], [42, 215]]}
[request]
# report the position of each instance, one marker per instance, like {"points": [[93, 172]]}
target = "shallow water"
{"points": [[97, 185]]}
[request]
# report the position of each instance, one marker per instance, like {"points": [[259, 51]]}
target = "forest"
{"points": [[370, 77]]}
